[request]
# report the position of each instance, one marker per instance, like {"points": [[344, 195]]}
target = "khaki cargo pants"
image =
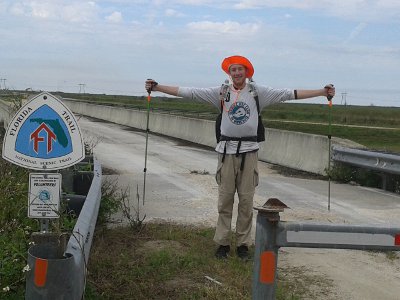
{"points": [[231, 179]]}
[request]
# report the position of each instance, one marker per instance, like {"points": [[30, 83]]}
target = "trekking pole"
{"points": [[147, 141], [329, 149]]}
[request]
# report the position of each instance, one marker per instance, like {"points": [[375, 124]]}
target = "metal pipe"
{"points": [[265, 256], [357, 237]]}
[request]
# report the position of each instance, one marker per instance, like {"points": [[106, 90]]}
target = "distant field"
{"points": [[356, 118], [308, 118], [374, 138]]}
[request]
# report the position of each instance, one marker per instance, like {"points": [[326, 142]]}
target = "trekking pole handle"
{"points": [[152, 85]]}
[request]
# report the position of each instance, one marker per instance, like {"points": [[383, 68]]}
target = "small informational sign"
{"points": [[44, 195], [43, 135]]}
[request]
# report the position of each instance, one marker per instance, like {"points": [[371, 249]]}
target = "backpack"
{"points": [[260, 127]]}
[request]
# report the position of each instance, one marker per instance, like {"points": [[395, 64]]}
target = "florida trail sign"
{"points": [[43, 135]]}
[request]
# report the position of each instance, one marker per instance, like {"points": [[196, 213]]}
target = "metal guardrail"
{"points": [[383, 162], [80, 243], [55, 277], [271, 234], [338, 236]]}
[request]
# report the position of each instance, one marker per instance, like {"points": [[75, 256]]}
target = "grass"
{"points": [[302, 283], [170, 261], [346, 115], [15, 229], [392, 255], [163, 261], [375, 139]]}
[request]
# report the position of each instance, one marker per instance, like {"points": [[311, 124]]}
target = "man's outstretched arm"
{"points": [[328, 90], [151, 85]]}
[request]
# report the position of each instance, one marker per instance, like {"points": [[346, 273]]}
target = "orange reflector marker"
{"points": [[148, 98], [397, 240], [267, 267], [40, 272]]}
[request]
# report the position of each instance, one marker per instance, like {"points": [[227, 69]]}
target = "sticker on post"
{"points": [[44, 195]]}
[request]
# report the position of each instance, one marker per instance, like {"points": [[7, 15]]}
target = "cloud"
{"points": [[193, 2], [173, 13], [376, 11], [78, 36], [18, 10], [356, 31], [80, 12], [253, 4], [379, 11], [115, 17], [224, 27], [70, 11], [3, 7]]}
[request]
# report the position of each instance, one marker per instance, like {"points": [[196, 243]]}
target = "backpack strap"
{"points": [[222, 93], [253, 91], [243, 138], [257, 103]]}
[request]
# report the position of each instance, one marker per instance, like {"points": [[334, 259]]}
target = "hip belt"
{"points": [[239, 139]]}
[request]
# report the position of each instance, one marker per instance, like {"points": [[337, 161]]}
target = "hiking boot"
{"points": [[222, 252], [243, 252]]}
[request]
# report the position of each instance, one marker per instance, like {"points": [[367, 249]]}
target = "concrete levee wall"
{"points": [[306, 152], [296, 150], [4, 113]]}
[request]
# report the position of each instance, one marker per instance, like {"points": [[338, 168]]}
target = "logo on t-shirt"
{"points": [[239, 113]]}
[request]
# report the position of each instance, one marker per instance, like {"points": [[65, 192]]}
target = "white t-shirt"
{"points": [[239, 115]]}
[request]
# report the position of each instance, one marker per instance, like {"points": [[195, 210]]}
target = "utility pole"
{"points": [[3, 80], [82, 88], [344, 96]]}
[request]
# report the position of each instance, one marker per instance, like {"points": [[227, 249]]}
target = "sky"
{"points": [[112, 46]]}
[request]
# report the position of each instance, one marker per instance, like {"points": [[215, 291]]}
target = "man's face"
{"points": [[238, 74]]}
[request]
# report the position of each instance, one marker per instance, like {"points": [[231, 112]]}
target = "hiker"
{"points": [[239, 131]]}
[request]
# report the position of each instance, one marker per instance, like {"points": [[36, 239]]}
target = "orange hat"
{"points": [[238, 60]]}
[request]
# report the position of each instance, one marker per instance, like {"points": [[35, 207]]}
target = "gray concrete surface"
{"points": [[181, 176], [295, 150], [4, 113], [176, 193]]}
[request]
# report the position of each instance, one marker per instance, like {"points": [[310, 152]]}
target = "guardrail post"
{"points": [[52, 275], [266, 253]]}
